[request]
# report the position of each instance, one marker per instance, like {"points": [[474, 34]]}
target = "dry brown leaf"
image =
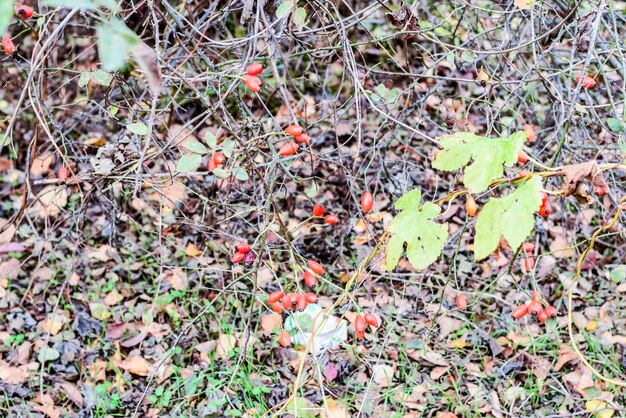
{"points": [[437, 372], [54, 323], [6, 236], [72, 393], [136, 365], [113, 298], [334, 409], [13, 375], [225, 344], [382, 375], [41, 164], [177, 278], [458, 343], [270, 322], [47, 406]]}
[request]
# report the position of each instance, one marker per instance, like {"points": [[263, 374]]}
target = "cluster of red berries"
{"points": [[528, 262], [318, 211], [281, 302], [216, 160], [545, 209], [23, 12], [250, 79], [243, 253], [298, 134], [361, 322], [535, 308], [588, 82]]}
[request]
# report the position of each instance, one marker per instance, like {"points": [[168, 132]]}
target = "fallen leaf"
{"points": [[600, 407], [270, 322], [72, 393], [225, 345], [382, 375], [13, 375], [330, 372], [458, 343], [334, 409], [566, 355], [135, 365], [523, 4], [192, 251]]}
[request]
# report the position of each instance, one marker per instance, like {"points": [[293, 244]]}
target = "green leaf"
{"points": [[488, 155], [189, 163], [299, 17], [6, 14], [47, 354], [511, 216], [240, 174], [414, 225], [210, 139], [138, 128], [615, 125], [221, 173], [195, 146], [227, 147], [115, 42], [284, 9], [82, 4], [99, 77], [618, 274]]}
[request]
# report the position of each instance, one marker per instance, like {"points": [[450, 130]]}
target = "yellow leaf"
{"points": [[523, 4], [192, 250], [334, 410], [600, 408], [458, 343], [591, 326]]}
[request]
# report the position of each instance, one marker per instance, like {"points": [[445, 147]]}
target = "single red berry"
{"points": [[303, 138], [311, 297], [301, 303], [24, 12], [530, 133], [551, 311], [528, 264], [243, 248], [309, 279], [367, 202], [288, 149], [318, 210], [7, 44], [219, 158], [294, 130], [331, 219], [545, 210], [371, 319], [588, 82], [461, 301], [600, 191], [542, 316], [524, 173], [237, 258], [254, 69], [315, 267], [522, 157], [287, 302], [284, 339], [294, 299], [63, 174], [212, 165], [276, 307], [275, 296], [534, 308], [252, 82], [528, 247], [470, 205], [520, 311], [359, 326]]}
